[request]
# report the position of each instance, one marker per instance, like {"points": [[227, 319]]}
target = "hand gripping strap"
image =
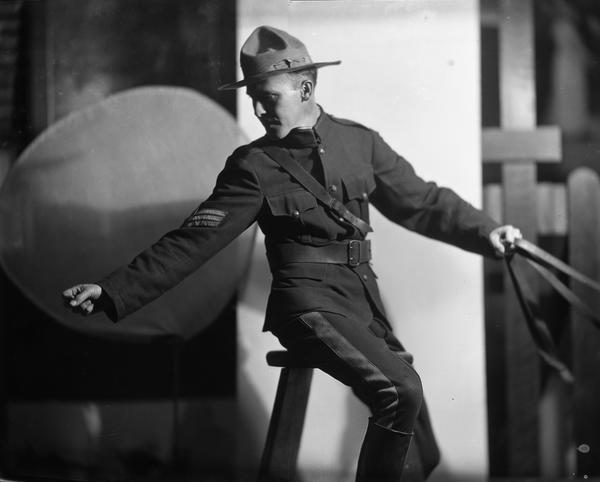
{"points": [[287, 162]]}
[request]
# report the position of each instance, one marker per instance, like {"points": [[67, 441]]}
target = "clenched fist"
{"points": [[503, 239], [83, 298]]}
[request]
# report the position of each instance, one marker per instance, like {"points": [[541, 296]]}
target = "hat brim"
{"points": [[258, 77]]}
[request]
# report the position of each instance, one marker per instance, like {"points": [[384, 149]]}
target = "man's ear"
{"points": [[306, 90]]}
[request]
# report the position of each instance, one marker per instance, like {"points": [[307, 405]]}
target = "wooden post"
{"points": [[517, 111], [287, 422], [584, 255], [518, 144], [6, 160]]}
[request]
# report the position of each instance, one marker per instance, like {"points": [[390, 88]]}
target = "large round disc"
{"points": [[105, 182]]}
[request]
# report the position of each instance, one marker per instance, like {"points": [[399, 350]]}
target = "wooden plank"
{"points": [[517, 103], [523, 381], [552, 216], [541, 144], [40, 64], [287, 422], [9, 8], [6, 159], [552, 209], [584, 255], [10, 27], [492, 200]]}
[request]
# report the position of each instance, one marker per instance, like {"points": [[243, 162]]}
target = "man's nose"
{"points": [[259, 110]]}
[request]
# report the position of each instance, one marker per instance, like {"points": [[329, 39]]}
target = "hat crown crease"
{"points": [[269, 51]]}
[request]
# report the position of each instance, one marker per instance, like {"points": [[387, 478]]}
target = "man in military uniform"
{"points": [[308, 183]]}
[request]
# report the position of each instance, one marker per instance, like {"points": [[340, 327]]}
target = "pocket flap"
{"points": [[359, 186], [287, 203]]}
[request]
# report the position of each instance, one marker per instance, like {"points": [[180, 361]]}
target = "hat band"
{"points": [[290, 63]]}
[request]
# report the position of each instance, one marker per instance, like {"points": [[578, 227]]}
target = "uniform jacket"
{"points": [[358, 168]]}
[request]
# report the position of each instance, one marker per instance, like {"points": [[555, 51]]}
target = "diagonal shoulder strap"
{"points": [[287, 162]]}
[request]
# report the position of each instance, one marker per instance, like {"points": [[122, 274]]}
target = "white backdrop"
{"points": [[410, 69]]}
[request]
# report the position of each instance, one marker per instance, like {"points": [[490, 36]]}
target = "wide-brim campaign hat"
{"points": [[269, 51]]}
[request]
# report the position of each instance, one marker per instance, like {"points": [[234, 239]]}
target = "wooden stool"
{"points": [[287, 419]]}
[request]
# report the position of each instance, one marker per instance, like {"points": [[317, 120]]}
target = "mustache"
{"points": [[269, 120]]}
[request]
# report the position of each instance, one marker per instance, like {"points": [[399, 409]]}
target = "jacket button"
{"points": [[296, 213], [333, 188], [321, 150], [365, 277], [365, 196]]}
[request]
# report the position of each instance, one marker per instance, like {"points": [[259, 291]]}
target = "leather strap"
{"points": [[539, 256], [542, 261], [566, 293], [351, 253], [537, 327], [286, 161]]}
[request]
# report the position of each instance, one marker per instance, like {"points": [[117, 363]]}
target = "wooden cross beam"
{"points": [[518, 145], [511, 145]]}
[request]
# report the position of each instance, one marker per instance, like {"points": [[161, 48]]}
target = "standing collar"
{"points": [[323, 124], [300, 137]]}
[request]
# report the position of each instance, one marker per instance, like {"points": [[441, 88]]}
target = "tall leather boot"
{"points": [[382, 455]]}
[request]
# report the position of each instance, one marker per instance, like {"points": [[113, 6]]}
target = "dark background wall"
{"points": [[83, 50], [56, 386]]}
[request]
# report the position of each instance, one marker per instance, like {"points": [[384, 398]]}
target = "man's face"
{"points": [[278, 104]]}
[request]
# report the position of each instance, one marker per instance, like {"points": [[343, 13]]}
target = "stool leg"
{"points": [[280, 455]]}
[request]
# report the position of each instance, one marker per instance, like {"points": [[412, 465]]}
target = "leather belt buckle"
{"points": [[354, 253]]}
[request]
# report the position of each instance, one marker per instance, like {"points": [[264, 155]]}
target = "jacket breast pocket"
{"points": [[293, 204], [357, 189], [295, 214]]}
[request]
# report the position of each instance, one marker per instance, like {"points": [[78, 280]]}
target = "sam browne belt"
{"points": [[351, 253]]}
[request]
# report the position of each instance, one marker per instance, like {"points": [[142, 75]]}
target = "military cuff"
{"points": [[484, 232], [112, 304]]}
